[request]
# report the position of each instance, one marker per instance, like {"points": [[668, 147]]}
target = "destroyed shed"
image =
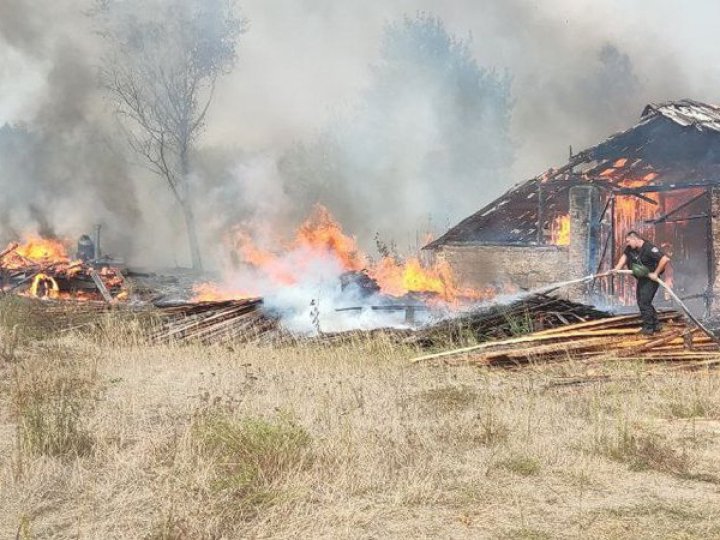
{"points": [[661, 177]]}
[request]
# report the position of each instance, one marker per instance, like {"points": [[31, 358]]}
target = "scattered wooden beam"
{"points": [[614, 337], [12, 247], [215, 322], [538, 312], [100, 285]]}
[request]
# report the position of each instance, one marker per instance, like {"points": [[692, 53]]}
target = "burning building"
{"points": [[661, 177]]}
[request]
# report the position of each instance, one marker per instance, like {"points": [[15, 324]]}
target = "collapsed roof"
{"points": [[674, 145]]}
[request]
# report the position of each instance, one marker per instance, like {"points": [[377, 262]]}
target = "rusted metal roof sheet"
{"points": [[687, 112]]}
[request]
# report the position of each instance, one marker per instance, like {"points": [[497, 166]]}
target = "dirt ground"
{"points": [[103, 436]]}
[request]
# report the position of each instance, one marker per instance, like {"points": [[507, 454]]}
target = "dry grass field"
{"points": [[103, 436]]}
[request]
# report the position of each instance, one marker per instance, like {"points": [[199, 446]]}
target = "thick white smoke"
{"points": [[580, 70]]}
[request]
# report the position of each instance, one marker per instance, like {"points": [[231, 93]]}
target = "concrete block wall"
{"points": [[527, 267]]}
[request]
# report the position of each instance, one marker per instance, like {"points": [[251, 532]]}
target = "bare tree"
{"points": [[163, 60]]}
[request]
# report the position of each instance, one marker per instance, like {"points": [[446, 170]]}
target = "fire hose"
{"points": [[665, 286]]}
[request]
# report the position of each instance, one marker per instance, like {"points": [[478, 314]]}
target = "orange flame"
{"points": [[620, 163], [252, 255], [320, 236], [51, 256], [37, 250], [212, 292], [44, 286], [43, 249], [322, 233], [397, 279]]}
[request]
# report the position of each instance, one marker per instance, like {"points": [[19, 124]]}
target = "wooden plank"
{"points": [[100, 285], [663, 340], [562, 333], [559, 348], [12, 247], [612, 322], [680, 355]]}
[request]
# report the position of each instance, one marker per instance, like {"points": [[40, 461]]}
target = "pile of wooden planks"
{"points": [[73, 280], [606, 338], [214, 322], [526, 315], [239, 321]]}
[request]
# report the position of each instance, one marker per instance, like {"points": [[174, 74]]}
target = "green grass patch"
{"points": [[647, 451], [252, 457], [449, 398], [521, 464], [695, 407]]}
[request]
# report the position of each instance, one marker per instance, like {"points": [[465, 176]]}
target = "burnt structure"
{"points": [[85, 249], [660, 177]]}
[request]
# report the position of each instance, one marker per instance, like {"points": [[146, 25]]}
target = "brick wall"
{"points": [[527, 267]]}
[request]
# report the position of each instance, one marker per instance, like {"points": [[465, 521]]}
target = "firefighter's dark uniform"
{"points": [[648, 255]]}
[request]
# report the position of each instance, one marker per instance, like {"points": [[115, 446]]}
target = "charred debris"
{"points": [[661, 176]]}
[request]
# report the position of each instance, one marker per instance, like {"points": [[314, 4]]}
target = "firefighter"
{"points": [[647, 263]]}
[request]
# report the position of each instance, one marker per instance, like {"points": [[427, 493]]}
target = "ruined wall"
{"points": [[527, 267], [715, 266], [585, 244]]}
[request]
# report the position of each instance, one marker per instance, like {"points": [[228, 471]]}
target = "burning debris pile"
{"points": [[320, 273], [248, 320], [318, 281], [41, 268], [320, 248]]}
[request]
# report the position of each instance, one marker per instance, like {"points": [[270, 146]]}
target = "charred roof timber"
{"points": [[674, 146]]}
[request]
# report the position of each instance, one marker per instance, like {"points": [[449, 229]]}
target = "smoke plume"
{"points": [[306, 84]]}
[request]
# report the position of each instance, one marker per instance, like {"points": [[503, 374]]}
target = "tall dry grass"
{"points": [[104, 436]]}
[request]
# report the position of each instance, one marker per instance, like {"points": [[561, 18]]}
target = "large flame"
{"points": [[43, 249], [321, 238], [38, 250], [321, 233], [397, 279], [400, 278]]}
